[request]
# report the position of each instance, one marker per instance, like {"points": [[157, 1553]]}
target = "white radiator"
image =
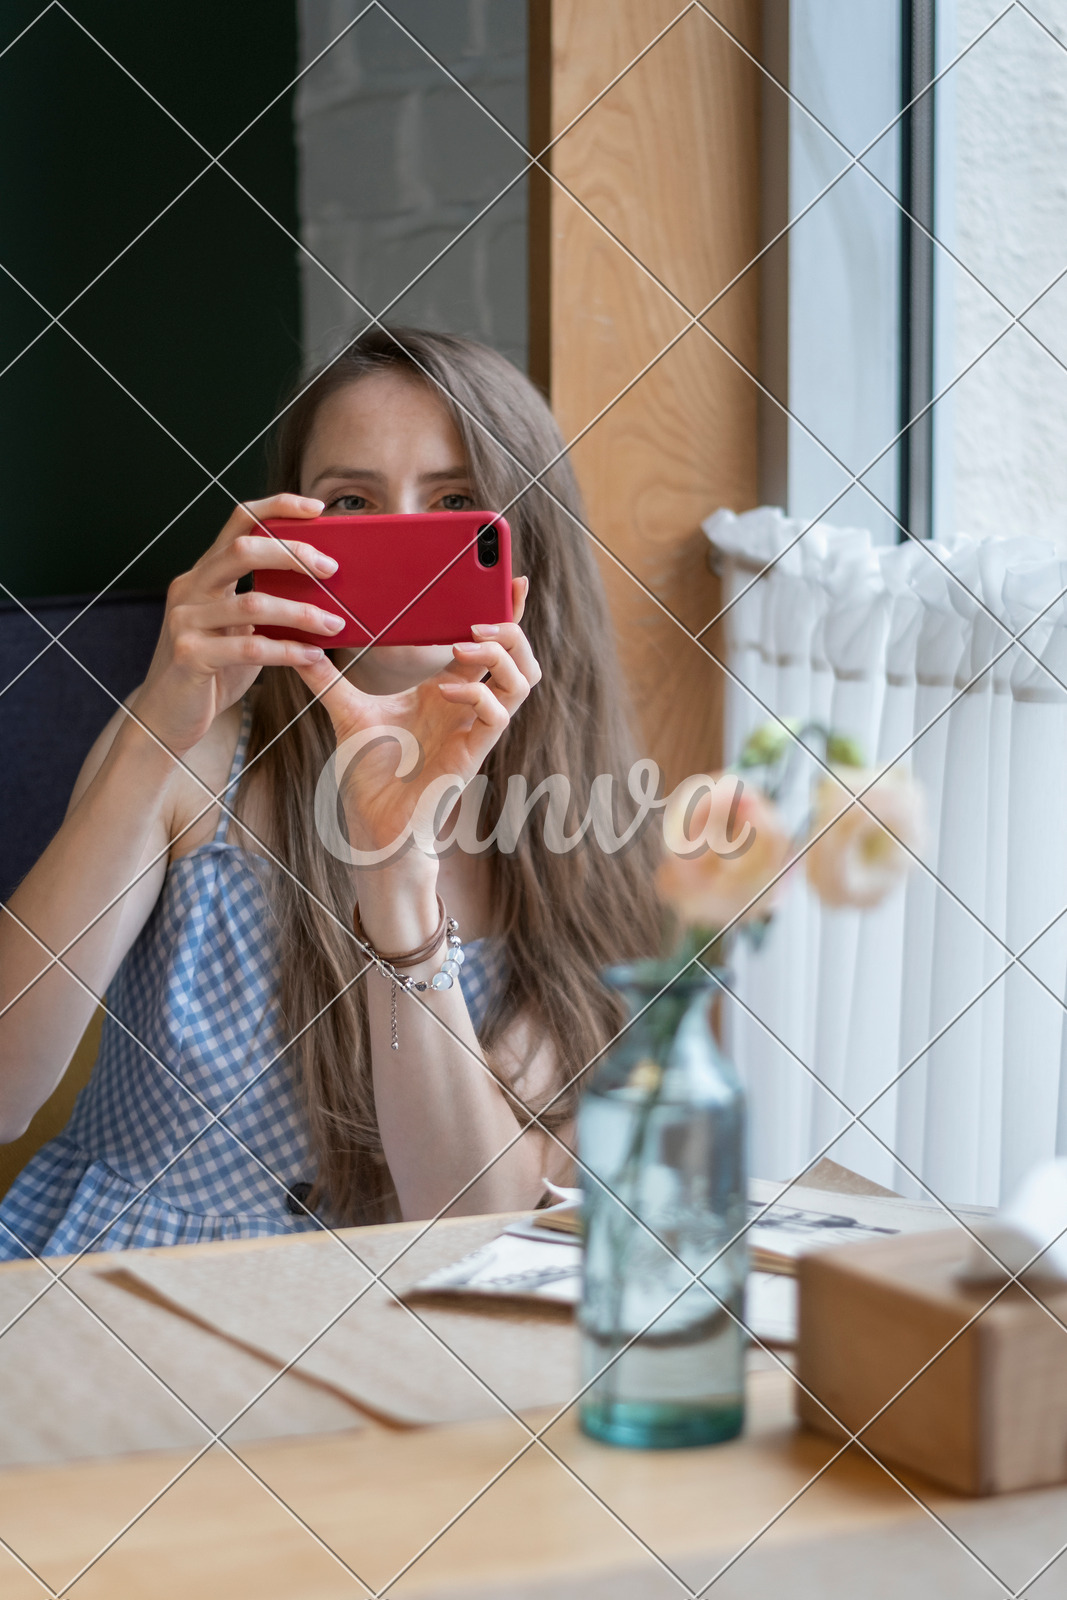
{"points": [[953, 659]]}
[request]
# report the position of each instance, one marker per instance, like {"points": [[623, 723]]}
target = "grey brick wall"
{"points": [[395, 160]]}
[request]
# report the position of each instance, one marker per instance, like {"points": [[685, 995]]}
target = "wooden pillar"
{"points": [[667, 162]]}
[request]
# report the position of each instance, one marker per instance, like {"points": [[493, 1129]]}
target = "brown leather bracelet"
{"points": [[447, 929], [408, 958]]}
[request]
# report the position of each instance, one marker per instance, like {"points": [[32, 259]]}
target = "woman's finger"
{"points": [[505, 679], [220, 569], [211, 652], [335, 691], [259, 610], [515, 642], [487, 708], [251, 514]]}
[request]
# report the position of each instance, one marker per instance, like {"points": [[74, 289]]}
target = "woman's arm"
{"points": [[98, 880], [115, 835], [442, 1115]]}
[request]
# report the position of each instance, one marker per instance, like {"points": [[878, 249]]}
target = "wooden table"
{"points": [[476, 1511]]}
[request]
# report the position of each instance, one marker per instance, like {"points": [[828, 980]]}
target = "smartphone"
{"points": [[418, 579]]}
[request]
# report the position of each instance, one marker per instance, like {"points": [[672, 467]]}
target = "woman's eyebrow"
{"points": [[449, 475], [363, 473]]}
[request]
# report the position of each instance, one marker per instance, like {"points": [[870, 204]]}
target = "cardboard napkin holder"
{"points": [[989, 1412]]}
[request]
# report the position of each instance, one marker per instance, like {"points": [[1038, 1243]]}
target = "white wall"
{"points": [[394, 161], [1001, 437]]}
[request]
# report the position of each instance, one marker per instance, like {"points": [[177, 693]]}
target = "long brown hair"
{"points": [[562, 918]]}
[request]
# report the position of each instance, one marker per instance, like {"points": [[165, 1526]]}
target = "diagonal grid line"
{"points": [[853, 161], [375, 1277], [216, 162], [522, 1452], [384, 312], [1013, 1280], [810, 842], [312, 1341], [735, 599], [214, 1118], [1016, 320], [546, 468], [1060, 1002], [959, 1221], [407, 1308], [213, 161], [507, 132], [26, 1567], [559, 136], [837, 1135], [404, 291], [857, 160], [11, 43], [696, 320], [916, 222], [855, 479], [446, 1346], [64, 330], [605, 1047], [407, 288], [215, 481], [37, 620], [214, 1439], [858, 1118], [58, 1278], [855, 1437], [927, 233], [213, 800]]}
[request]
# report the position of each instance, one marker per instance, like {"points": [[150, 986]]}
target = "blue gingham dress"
{"points": [[190, 1127]]}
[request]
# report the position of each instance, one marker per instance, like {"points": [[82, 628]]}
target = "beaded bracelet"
{"points": [[389, 965]]}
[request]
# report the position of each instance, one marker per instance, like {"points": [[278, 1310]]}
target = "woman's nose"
{"points": [[404, 499]]}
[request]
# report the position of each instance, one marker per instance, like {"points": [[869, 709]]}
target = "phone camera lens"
{"points": [[488, 545]]}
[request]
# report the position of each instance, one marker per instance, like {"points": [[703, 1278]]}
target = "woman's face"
{"points": [[386, 444]]}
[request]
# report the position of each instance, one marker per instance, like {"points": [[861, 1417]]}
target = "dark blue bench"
{"points": [[52, 710]]}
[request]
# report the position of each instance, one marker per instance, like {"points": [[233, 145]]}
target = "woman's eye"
{"points": [[456, 502], [347, 504]]}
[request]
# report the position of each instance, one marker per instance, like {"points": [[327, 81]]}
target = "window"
{"points": [[896, 325]]}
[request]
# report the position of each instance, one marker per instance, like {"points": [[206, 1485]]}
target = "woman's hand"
{"points": [[456, 719], [208, 654]]}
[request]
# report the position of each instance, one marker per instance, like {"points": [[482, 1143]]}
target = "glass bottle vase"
{"points": [[661, 1138]]}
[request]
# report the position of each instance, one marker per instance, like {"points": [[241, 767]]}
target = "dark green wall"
{"points": [[199, 320]]}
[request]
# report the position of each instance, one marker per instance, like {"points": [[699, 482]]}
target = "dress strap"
{"points": [[229, 794]]}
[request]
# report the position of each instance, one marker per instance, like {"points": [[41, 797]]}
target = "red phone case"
{"points": [[400, 579]]}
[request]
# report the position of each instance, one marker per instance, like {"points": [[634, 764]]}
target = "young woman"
{"points": [[247, 1081]]}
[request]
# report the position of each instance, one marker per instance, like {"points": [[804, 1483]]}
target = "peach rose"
{"points": [[719, 866], [860, 857]]}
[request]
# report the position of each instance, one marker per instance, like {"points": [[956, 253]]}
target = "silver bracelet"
{"points": [[443, 978]]}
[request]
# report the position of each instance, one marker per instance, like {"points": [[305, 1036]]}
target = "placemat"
{"points": [[409, 1365], [214, 1376], [69, 1390]]}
